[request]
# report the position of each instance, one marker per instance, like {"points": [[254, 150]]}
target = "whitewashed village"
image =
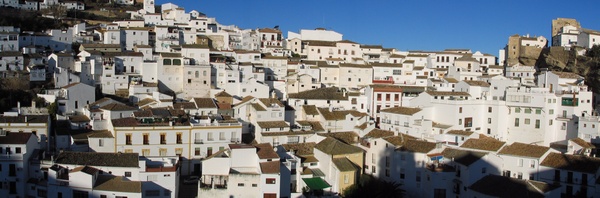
{"points": [[171, 103]]}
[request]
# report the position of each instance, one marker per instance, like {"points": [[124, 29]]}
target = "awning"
{"points": [[316, 183]]}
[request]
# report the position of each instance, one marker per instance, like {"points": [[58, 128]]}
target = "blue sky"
{"points": [[405, 24]]}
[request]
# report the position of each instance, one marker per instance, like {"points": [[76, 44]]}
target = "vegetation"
{"points": [[26, 20], [14, 88], [369, 186]]}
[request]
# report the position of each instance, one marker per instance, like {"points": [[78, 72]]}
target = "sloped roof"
{"points": [[578, 163], [22, 118], [205, 103], [329, 93], [15, 138], [98, 159], [399, 140], [348, 137], [379, 133], [332, 146], [271, 101], [343, 164], [273, 124], [500, 186], [463, 157], [582, 143], [569, 75], [477, 83], [417, 146], [524, 150], [486, 143], [223, 94], [117, 107], [300, 148], [184, 105], [459, 132], [447, 93], [310, 109], [117, 184], [402, 110], [271, 167], [265, 151]]}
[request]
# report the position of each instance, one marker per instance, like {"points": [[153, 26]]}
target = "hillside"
{"points": [[559, 59]]}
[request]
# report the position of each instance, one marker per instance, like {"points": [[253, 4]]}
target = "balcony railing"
{"points": [[198, 141]]}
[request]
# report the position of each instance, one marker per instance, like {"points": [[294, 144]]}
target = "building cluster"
{"points": [[34, 5], [248, 113]]}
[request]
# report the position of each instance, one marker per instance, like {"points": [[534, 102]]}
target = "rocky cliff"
{"points": [[559, 59]]}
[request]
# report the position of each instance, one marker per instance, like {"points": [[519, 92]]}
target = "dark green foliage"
{"points": [[369, 186], [26, 20], [594, 52]]}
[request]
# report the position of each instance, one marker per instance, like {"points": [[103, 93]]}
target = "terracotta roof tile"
{"points": [[402, 110], [330, 93], [459, 132], [98, 159], [300, 148], [524, 150], [416, 146], [203, 103], [271, 167], [379, 133], [15, 138], [266, 151], [578, 163], [344, 165], [485, 143], [346, 137], [331, 146], [273, 124], [463, 157], [500, 186]]}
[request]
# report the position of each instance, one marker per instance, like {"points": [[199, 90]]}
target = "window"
{"points": [[18, 150], [378, 97], [520, 163], [197, 151], [459, 109], [459, 121], [270, 181], [146, 138], [402, 173], [516, 122], [517, 110], [240, 184], [127, 174], [489, 109], [538, 111], [489, 120], [537, 123], [396, 97], [80, 194], [551, 111], [179, 140], [162, 152], [527, 110], [128, 139], [483, 170], [222, 136]]}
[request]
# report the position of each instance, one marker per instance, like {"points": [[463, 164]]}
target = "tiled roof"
{"points": [[451, 80], [332, 146], [567, 75], [402, 110], [184, 105], [330, 93], [524, 150], [582, 143], [21, 119], [321, 43], [348, 137], [170, 55], [100, 134], [500, 186], [485, 143], [117, 184], [85, 169], [79, 118], [125, 122], [578, 163], [269, 30], [339, 115], [463, 157], [459, 132], [343, 164], [146, 101], [265, 151], [286, 133], [205, 103], [310, 109], [98, 159], [271, 101], [447, 93], [355, 65], [223, 94], [399, 140], [379, 133], [117, 107], [300, 148], [273, 124], [245, 99], [416, 146], [467, 57], [477, 83], [15, 138], [271, 167], [316, 125]]}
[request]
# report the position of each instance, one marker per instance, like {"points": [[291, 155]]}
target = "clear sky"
{"points": [[479, 25]]}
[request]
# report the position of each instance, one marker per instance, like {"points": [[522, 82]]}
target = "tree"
{"points": [[594, 52], [369, 186], [56, 11]]}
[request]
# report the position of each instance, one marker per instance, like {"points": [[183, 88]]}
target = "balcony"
{"points": [[11, 156], [198, 141], [234, 140]]}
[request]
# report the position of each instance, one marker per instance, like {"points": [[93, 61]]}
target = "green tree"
{"points": [[594, 52]]}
